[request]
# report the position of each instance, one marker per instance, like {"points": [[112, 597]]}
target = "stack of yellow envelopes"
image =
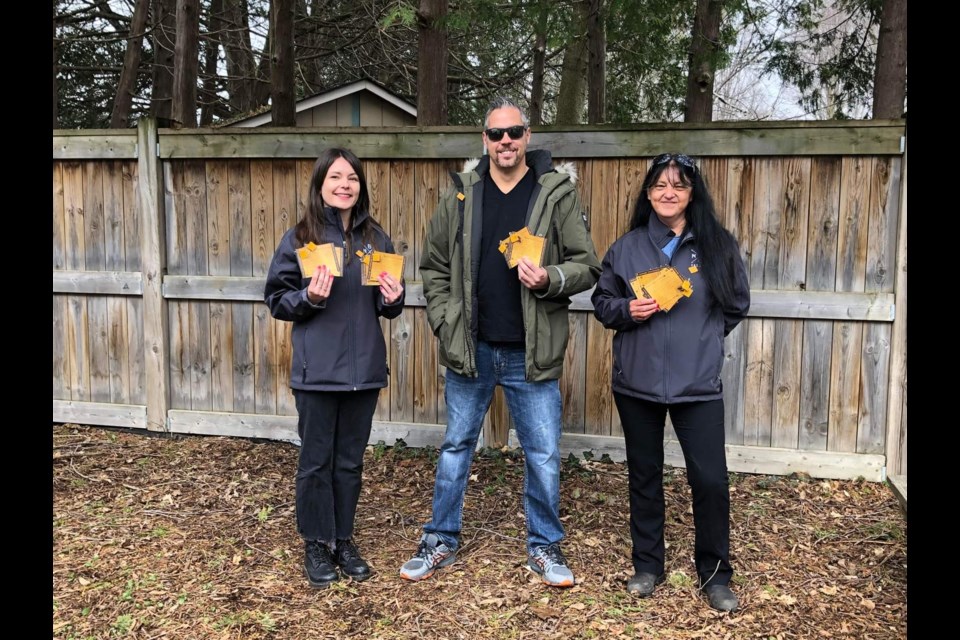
{"points": [[376, 262], [521, 244], [310, 256], [665, 285]]}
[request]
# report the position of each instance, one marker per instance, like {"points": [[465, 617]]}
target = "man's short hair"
{"points": [[501, 102]]}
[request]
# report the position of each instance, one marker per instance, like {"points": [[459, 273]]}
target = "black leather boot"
{"points": [[319, 565], [351, 564]]}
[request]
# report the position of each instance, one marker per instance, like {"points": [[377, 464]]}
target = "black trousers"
{"points": [[334, 428], [699, 428]]}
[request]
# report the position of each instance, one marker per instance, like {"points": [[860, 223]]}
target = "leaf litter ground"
{"points": [[195, 537]]}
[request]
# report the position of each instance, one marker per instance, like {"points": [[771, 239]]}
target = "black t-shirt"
{"points": [[500, 317]]}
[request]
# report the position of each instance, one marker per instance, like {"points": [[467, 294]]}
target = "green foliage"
{"points": [[399, 13], [828, 50], [123, 624], [825, 48], [679, 580]]}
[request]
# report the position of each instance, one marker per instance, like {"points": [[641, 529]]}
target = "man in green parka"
{"points": [[506, 326]]}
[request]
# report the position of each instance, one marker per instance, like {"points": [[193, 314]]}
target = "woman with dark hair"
{"points": [[669, 361], [339, 359]]}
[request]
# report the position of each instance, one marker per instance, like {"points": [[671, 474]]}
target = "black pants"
{"points": [[334, 428], [699, 428]]}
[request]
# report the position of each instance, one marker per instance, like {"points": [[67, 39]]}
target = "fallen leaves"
{"points": [[199, 541]]}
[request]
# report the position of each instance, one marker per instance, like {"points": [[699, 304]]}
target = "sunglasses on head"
{"points": [[679, 158], [496, 133]]}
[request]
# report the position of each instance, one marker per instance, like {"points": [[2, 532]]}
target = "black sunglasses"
{"points": [[679, 158], [496, 133]]}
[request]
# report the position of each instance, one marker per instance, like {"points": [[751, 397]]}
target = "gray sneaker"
{"points": [[548, 562], [430, 556]]}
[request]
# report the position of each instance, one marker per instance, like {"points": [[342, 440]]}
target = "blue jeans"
{"points": [[535, 409]]}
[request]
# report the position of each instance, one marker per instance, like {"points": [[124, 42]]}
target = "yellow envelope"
{"points": [[665, 285], [376, 262], [310, 256], [521, 244]]}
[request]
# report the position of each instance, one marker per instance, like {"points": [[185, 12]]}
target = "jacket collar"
{"points": [[659, 232], [332, 216], [539, 160]]}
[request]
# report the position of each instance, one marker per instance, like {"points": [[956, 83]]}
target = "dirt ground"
{"points": [[195, 537]]}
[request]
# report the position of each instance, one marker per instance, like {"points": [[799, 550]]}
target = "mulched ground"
{"points": [[195, 537]]}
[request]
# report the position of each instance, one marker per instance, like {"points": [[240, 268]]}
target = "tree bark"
{"points": [[241, 68], [539, 63], [185, 64], [432, 63], [704, 46], [120, 116], [283, 111], [596, 64], [164, 22], [208, 96], [571, 93], [56, 114], [890, 75]]}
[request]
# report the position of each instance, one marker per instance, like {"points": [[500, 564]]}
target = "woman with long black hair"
{"points": [[668, 360]]}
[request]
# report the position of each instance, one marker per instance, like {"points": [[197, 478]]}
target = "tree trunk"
{"points": [[571, 93], [56, 114], [241, 69], [260, 82], [283, 110], [890, 75], [164, 22], [120, 117], [208, 96], [307, 42], [597, 66], [704, 46], [432, 63], [185, 64], [539, 63]]}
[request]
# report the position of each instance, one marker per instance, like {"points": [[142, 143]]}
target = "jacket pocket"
{"points": [[551, 332], [451, 335]]}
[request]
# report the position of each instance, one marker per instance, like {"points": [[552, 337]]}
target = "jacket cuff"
{"points": [[320, 305]]}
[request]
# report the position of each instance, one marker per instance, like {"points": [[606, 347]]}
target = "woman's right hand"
{"points": [[319, 288], [642, 308]]}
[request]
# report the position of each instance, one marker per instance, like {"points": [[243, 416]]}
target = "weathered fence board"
{"points": [[604, 229], [217, 192], [79, 355], [713, 139], [791, 276], [119, 344], [425, 377], [821, 276], [730, 183], [241, 264], [264, 244], [152, 253], [73, 216], [284, 217]]}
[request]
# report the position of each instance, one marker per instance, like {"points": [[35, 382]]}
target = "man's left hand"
{"points": [[532, 276]]}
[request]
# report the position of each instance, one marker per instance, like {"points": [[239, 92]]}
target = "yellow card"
{"points": [[376, 262], [310, 256], [521, 244], [665, 285]]}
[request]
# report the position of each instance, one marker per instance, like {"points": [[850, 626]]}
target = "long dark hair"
{"points": [[311, 228], [717, 247]]}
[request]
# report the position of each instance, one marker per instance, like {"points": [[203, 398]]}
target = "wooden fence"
{"points": [[162, 239]]}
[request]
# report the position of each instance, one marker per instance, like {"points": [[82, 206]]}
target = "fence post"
{"points": [[153, 254], [896, 439]]}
